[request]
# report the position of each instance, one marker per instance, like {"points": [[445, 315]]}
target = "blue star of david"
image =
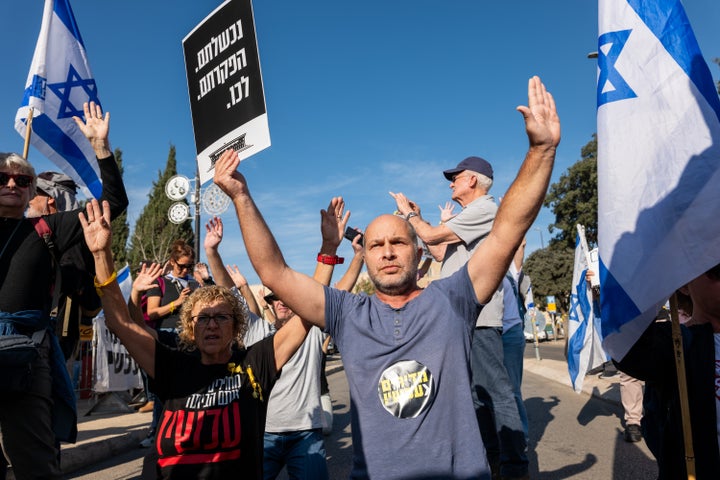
{"points": [[609, 76], [574, 306], [64, 89]]}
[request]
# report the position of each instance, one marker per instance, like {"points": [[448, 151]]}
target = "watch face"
{"points": [[178, 212], [177, 188]]}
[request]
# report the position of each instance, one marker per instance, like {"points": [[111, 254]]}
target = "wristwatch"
{"points": [[330, 259], [410, 215]]}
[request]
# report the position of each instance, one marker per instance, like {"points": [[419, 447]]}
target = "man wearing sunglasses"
{"points": [[38, 414]]}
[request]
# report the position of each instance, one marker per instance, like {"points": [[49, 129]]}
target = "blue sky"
{"points": [[362, 98]]}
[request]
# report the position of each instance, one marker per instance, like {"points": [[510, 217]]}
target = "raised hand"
{"points": [[446, 213], [147, 277], [404, 204], [96, 128], [213, 233], [238, 278], [542, 123], [96, 226], [226, 175], [333, 221]]}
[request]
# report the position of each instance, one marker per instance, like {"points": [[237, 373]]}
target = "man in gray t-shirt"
{"points": [[394, 377], [453, 242]]}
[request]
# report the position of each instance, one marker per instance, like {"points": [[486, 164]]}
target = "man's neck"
{"points": [[471, 197], [398, 300]]}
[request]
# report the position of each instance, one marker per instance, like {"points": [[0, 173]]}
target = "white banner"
{"points": [[115, 369]]}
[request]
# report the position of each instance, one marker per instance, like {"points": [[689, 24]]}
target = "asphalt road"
{"points": [[572, 436]]}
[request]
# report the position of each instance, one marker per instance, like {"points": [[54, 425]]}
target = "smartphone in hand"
{"points": [[351, 233]]}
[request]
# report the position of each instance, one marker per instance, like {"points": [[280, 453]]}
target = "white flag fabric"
{"points": [[125, 280], [585, 350], [658, 163], [58, 84]]}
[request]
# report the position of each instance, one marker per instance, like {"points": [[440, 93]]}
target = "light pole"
{"points": [[542, 244]]}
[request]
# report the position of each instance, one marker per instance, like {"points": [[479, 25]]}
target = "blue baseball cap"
{"points": [[476, 164]]}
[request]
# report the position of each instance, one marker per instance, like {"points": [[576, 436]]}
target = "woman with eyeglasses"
{"points": [[215, 399]]}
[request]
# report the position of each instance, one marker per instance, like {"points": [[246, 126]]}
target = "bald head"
{"points": [[392, 255]]}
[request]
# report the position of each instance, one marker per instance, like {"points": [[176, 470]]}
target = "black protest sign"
{"points": [[227, 101]]}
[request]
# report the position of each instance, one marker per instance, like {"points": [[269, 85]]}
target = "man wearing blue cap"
{"points": [[453, 243]]}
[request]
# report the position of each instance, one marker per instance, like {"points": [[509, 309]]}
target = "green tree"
{"points": [[120, 227], [154, 233], [573, 199], [550, 270]]}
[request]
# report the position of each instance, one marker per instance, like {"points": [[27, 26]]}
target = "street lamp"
{"points": [[542, 244]]}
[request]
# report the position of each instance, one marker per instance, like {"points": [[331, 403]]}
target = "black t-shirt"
{"points": [[213, 421]]}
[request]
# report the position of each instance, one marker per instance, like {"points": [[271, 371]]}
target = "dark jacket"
{"points": [[652, 359]]}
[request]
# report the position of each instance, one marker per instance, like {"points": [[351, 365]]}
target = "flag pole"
{"points": [[28, 133], [682, 387]]}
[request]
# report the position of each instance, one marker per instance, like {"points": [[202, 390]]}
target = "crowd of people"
{"points": [[236, 380]]}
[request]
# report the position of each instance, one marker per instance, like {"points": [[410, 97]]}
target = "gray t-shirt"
{"points": [[294, 402], [408, 370], [472, 225]]}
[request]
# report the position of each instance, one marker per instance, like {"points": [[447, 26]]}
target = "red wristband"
{"points": [[330, 259]]}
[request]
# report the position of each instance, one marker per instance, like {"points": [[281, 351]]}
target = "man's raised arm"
{"points": [[523, 200], [301, 293]]}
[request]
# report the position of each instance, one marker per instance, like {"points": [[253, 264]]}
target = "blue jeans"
{"points": [[513, 354], [303, 452], [495, 407]]}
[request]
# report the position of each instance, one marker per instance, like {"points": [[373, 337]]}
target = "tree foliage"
{"points": [[154, 233], [573, 199], [551, 270], [120, 227]]}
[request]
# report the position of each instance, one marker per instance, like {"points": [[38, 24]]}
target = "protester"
{"points": [[293, 429], [453, 242], [652, 359], [34, 416], [78, 302], [223, 383], [165, 301], [631, 388], [516, 289], [406, 350], [257, 327]]}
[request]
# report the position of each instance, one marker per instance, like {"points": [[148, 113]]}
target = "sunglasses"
{"points": [[188, 266], [22, 181]]}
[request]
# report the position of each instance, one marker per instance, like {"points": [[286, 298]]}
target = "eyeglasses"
{"points": [[22, 181], [187, 266], [460, 175], [713, 273], [221, 319]]}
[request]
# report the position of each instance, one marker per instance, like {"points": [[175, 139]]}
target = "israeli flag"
{"points": [[125, 281], [585, 350], [658, 163], [58, 84]]}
